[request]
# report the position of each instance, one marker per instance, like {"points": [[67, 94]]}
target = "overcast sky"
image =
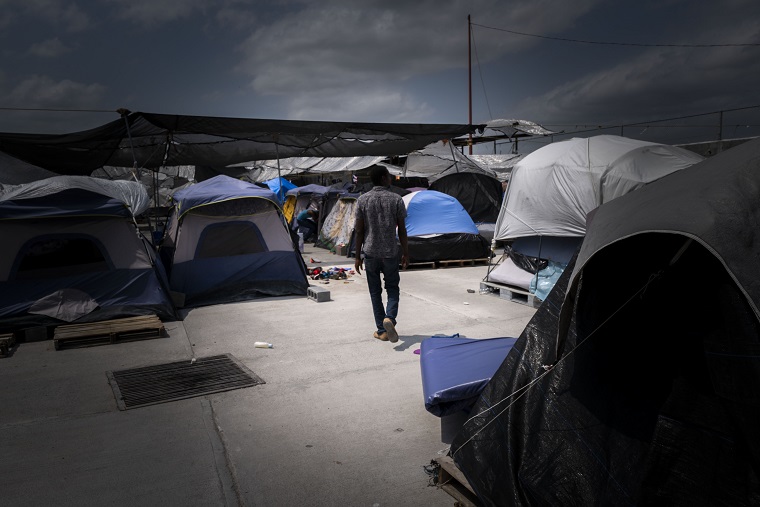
{"points": [[380, 61]]}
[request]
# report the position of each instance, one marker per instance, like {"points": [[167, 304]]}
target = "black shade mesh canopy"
{"points": [[149, 140]]}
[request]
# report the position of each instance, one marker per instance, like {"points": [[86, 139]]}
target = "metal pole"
{"points": [[469, 79], [280, 194], [720, 126]]}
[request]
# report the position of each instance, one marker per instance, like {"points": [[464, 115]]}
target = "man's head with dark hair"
{"points": [[377, 174]]}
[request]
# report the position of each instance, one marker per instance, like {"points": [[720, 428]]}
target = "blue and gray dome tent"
{"points": [[227, 241], [71, 253], [439, 228]]}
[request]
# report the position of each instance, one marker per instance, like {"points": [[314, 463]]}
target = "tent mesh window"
{"points": [[236, 207], [162, 383], [230, 238], [60, 255]]}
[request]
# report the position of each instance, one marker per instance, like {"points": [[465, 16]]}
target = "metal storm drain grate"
{"points": [[161, 383]]}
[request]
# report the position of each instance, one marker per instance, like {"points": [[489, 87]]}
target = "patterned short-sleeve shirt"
{"points": [[380, 209]]}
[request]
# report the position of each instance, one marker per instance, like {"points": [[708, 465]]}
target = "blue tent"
{"points": [[280, 187], [71, 253], [432, 212], [227, 241], [439, 228]]}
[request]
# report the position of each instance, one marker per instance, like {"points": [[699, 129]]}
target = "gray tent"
{"points": [[552, 189]]}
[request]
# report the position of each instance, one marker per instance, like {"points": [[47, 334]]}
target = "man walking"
{"points": [[379, 213]]}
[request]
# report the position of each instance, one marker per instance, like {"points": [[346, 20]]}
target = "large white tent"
{"points": [[552, 191], [554, 188]]}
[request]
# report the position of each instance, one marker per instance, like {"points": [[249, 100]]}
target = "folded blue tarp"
{"points": [[455, 370]]}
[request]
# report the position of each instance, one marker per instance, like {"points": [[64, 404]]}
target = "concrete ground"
{"points": [[340, 420]]}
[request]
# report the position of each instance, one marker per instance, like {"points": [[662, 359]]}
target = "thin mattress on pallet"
{"points": [[508, 273], [455, 370]]}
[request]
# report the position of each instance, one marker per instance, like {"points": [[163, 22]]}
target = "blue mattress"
{"points": [[455, 370]]}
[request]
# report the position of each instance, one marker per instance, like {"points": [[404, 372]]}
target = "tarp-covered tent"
{"points": [[159, 184], [638, 385], [280, 186], [338, 225], [479, 194], [477, 189], [153, 140], [439, 228], [72, 253], [502, 163], [440, 159], [227, 241], [333, 194]]}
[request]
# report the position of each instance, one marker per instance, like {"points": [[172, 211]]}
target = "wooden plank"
{"points": [[463, 262], [453, 482], [109, 331], [109, 326]]}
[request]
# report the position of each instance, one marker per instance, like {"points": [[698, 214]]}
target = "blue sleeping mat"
{"points": [[455, 370]]}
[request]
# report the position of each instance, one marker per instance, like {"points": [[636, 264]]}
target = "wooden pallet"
{"points": [[7, 341], [453, 482], [108, 331], [463, 262], [510, 293], [431, 265]]}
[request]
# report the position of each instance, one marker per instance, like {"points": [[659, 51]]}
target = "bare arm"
{"points": [[359, 239], [401, 222]]}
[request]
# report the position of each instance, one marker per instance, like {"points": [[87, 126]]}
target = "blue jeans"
{"points": [[388, 266]]}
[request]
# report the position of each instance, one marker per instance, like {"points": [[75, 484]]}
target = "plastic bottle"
{"points": [[262, 345]]}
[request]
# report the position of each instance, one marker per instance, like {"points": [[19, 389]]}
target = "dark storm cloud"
{"points": [[661, 81], [375, 60], [366, 51]]}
